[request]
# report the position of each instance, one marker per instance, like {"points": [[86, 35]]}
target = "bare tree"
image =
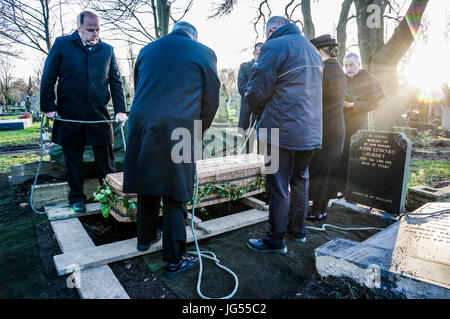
{"points": [[380, 55], [264, 12], [341, 30], [26, 87], [139, 21], [228, 76], [27, 23], [6, 80]]}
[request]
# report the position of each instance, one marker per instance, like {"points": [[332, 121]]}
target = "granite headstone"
{"points": [[378, 170]]}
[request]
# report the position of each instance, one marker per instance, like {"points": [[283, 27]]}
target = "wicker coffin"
{"points": [[237, 170]]}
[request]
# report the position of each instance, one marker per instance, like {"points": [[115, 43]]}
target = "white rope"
{"points": [[42, 151], [204, 254]]}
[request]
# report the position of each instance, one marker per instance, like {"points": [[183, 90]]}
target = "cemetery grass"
{"points": [[29, 136], [434, 173], [6, 161]]}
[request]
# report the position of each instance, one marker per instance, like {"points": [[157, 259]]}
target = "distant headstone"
{"points": [[422, 247], [378, 170], [446, 118], [223, 100], [17, 124]]}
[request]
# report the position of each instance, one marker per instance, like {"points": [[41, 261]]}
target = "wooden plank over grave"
{"points": [[378, 170], [101, 255], [95, 283], [49, 194], [63, 211], [23, 172]]}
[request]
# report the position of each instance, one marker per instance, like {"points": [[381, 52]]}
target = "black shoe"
{"points": [[78, 207], [321, 215], [144, 247], [186, 263], [259, 246], [311, 216]]}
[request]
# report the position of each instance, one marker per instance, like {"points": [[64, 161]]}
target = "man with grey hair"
{"points": [[285, 92], [245, 70], [186, 27], [176, 83], [363, 94], [87, 74]]}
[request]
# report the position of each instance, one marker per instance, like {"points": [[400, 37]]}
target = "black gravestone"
{"points": [[378, 170]]}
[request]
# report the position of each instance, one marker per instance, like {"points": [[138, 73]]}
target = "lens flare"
{"points": [[413, 18]]}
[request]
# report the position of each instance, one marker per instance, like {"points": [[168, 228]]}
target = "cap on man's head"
{"points": [[324, 41]]}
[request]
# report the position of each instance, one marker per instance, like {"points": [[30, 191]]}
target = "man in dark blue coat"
{"points": [[176, 83], [285, 90], [245, 71], [87, 75]]}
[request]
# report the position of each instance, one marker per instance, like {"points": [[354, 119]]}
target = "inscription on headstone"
{"points": [[422, 248], [378, 170]]}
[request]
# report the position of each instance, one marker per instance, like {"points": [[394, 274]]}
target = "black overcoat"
{"points": [[364, 91], [245, 71], [325, 167], [86, 81], [176, 83]]}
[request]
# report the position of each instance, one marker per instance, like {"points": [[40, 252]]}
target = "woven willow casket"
{"points": [[238, 172]]}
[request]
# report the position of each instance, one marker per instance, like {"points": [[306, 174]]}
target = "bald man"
{"points": [[87, 74]]}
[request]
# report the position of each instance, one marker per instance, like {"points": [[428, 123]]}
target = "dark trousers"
{"points": [[319, 206], [173, 225], [73, 155], [287, 210]]}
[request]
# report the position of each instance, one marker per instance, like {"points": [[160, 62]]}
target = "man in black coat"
{"points": [[84, 67], [363, 94], [285, 91], [325, 167], [245, 71], [176, 84]]}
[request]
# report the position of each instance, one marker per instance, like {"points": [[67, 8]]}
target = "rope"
{"points": [[200, 253], [342, 228], [204, 254], [38, 170], [42, 151]]}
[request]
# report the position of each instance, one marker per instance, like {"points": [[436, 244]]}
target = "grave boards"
{"points": [[82, 260]]}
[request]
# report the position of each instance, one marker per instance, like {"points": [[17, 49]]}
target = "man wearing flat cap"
{"points": [[325, 167]]}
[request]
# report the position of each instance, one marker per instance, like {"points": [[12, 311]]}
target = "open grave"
{"points": [[96, 268]]}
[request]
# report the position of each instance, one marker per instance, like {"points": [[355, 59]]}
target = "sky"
{"points": [[232, 36]]}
